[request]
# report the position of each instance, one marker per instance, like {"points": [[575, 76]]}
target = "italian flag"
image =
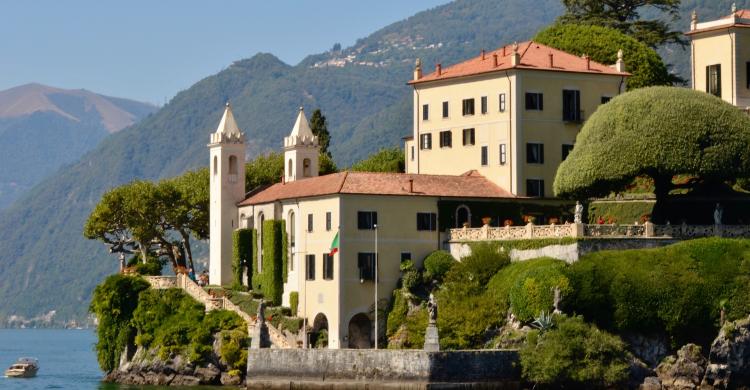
{"points": [[335, 245]]}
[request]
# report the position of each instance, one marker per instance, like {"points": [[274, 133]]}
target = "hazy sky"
{"points": [[151, 49]]}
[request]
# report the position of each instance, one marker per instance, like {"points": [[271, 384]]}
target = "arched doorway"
{"points": [[319, 332], [463, 215], [360, 332]]}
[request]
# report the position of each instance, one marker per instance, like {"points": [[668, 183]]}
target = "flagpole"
{"points": [[376, 285]]}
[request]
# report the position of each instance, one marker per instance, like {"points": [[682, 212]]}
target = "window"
{"points": [[535, 153], [366, 220], [446, 139], [309, 222], [216, 165], [534, 101], [484, 156], [606, 99], [484, 104], [232, 169], [310, 272], [425, 141], [468, 137], [713, 80], [427, 221], [327, 266], [292, 233], [463, 216], [468, 107], [571, 105], [445, 109], [566, 149], [535, 187], [328, 221], [502, 102], [289, 170], [366, 264], [405, 256], [425, 112], [306, 168], [503, 154]]}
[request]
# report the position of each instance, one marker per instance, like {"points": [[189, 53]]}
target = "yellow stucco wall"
{"points": [[711, 48], [514, 127]]}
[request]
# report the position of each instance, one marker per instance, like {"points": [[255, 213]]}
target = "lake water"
{"points": [[66, 360]]}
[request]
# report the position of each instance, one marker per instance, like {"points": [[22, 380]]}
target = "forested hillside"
{"points": [[46, 263]]}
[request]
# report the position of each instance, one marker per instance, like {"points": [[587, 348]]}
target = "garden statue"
{"points": [[259, 337], [718, 214], [578, 212], [432, 309], [556, 301], [431, 338]]}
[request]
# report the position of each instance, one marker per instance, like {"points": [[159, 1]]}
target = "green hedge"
{"points": [[676, 289], [242, 249], [499, 287], [294, 302], [533, 290], [623, 212], [284, 252], [269, 280], [251, 269]]}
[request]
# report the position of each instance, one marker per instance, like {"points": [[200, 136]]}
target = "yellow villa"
{"points": [[511, 114], [720, 53]]}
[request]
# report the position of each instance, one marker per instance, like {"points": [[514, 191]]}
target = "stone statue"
{"points": [[556, 300], [432, 309], [578, 216], [259, 337], [718, 214], [261, 312]]}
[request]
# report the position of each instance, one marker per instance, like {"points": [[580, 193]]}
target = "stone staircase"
{"points": [[278, 339]]}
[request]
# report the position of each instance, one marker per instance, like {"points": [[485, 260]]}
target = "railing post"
{"points": [[530, 230], [486, 231], [717, 230], [577, 230], [649, 229]]}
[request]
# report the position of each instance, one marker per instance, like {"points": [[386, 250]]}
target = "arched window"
{"points": [[463, 215], [289, 171], [216, 165], [306, 169], [232, 169], [291, 222]]}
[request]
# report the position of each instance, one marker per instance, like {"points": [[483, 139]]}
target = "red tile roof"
{"points": [[469, 185], [533, 56], [742, 14]]}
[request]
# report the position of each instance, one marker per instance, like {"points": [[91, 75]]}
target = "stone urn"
{"points": [[486, 220]]}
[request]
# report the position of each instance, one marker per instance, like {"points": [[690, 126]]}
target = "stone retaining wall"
{"points": [[277, 368]]}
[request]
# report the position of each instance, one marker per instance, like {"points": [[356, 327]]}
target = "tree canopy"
{"points": [[624, 15], [385, 160], [658, 132], [602, 45], [319, 128]]}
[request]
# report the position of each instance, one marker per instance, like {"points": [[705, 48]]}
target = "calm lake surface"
{"points": [[66, 360]]}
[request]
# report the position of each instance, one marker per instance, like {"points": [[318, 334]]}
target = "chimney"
{"points": [[483, 54], [411, 185], [551, 60], [438, 69], [620, 64], [588, 61], [418, 69], [495, 61], [504, 54], [515, 57]]}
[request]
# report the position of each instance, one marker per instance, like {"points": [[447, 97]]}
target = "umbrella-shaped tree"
{"points": [[658, 132]]}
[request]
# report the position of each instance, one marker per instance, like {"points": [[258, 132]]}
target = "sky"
{"points": [[149, 50]]}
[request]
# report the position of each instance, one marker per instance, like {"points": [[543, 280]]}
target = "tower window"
{"points": [[216, 165], [232, 169], [306, 171], [289, 171]]}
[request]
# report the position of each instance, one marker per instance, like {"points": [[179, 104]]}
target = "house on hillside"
{"points": [[337, 241], [720, 57]]}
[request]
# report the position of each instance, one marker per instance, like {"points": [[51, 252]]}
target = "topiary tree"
{"points": [[436, 264], [602, 43], [658, 132]]}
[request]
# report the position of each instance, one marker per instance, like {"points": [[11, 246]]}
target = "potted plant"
{"points": [[486, 220]]}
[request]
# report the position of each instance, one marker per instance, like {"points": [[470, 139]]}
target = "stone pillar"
{"points": [[718, 231], [530, 230], [577, 230], [431, 337], [260, 338], [649, 229]]}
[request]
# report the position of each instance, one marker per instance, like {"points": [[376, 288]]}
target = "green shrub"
{"points": [[675, 289], [294, 302], [270, 280], [242, 250], [152, 267], [233, 349], [409, 275], [437, 264], [113, 303], [574, 354], [533, 290], [500, 285]]}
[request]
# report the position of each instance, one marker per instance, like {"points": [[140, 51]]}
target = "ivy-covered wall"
{"points": [[269, 280], [499, 211], [242, 249]]}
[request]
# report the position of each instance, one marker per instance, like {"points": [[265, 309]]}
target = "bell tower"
{"points": [[227, 182], [301, 151]]}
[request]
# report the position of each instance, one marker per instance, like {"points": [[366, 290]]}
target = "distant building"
{"points": [[720, 53], [512, 114]]}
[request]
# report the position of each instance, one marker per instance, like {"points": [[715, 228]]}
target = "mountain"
{"points": [[43, 128], [47, 265]]}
